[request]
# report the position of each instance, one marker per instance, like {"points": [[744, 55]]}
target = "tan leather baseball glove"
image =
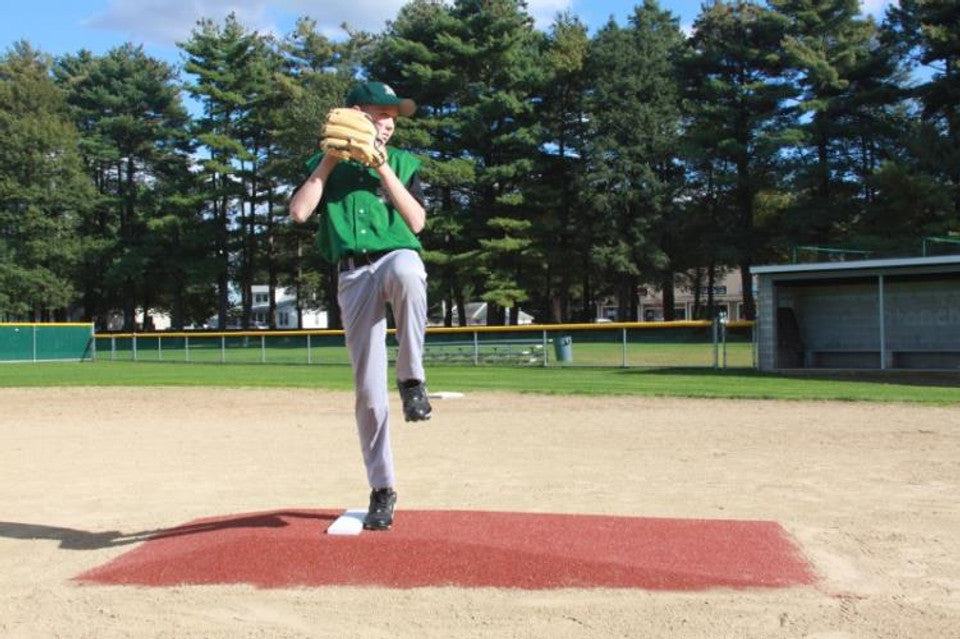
{"points": [[350, 134]]}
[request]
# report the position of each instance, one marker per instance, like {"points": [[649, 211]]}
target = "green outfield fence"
{"points": [[36, 342], [707, 344]]}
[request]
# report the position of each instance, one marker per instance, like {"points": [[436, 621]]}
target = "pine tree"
{"points": [[135, 138], [740, 119], [43, 191], [633, 171], [913, 187], [220, 59], [939, 23], [498, 52], [829, 49], [561, 234]]}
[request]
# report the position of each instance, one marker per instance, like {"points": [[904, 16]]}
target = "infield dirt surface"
{"points": [[869, 492]]}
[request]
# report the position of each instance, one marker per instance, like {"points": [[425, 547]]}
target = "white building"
{"points": [[476, 313], [160, 319], [286, 301], [727, 298]]}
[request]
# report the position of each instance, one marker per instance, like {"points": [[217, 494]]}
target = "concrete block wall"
{"points": [[839, 317], [766, 323], [922, 315]]}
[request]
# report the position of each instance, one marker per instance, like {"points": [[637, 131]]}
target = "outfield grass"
{"points": [[942, 389]]}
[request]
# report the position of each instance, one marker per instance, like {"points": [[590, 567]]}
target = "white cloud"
{"points": [[366, 15], [164, 22]]}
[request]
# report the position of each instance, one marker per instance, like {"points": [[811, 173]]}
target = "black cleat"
{"points": [[380, 514], [416, 406]]}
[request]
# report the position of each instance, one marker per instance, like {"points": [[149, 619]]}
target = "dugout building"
{"points": [[871, 314]]}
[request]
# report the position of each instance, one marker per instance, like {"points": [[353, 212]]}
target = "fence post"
{"points": [[159, 348], [883, 327], [186, 348], [113, 348], [93, 343], [135, 348], [309, 350], [544, 348], [263, 348], [716, 353], [34, 337], [476, 349], [623, 350], [723, 337]]}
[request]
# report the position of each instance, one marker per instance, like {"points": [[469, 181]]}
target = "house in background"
{"points": [[160, 320], [727, 298], [286, 300]]}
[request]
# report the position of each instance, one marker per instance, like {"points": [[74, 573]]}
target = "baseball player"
{"points": [[373, 210]]}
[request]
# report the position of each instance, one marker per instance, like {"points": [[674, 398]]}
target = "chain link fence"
{"points": [[706, 344]]}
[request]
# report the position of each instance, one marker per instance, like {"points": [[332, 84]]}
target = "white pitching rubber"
{"points": [[445, 395], [349, 523]]}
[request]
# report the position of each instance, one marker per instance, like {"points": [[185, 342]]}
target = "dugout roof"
{"points": [[937, 264]]}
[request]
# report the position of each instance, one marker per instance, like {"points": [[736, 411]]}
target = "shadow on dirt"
{"points": [[73, 539]]}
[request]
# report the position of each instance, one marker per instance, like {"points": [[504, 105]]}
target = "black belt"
{"points": [[356, 260]]}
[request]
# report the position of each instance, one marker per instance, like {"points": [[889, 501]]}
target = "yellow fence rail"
{"points": [[701, 343]]}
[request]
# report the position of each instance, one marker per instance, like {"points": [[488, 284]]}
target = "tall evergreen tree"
{"points": [[498, 57], [740, 119], [43, 191], [561, 232], [220, 60], [913, 187], [939, 23], [830, 51], [129, 107], [633, 172], [265, 95]]}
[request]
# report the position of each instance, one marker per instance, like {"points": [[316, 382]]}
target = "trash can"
{"points": [[563, 346]]}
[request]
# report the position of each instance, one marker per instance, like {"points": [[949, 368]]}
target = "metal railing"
{"points": [[700, 343]]}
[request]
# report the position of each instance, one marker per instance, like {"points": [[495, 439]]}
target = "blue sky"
{"points": [[66, 26]]}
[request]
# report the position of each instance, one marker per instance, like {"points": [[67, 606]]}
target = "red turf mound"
{"points": [[464, 548]]}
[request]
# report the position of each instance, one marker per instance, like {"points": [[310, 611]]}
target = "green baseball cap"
{"points": [[380, 94]]}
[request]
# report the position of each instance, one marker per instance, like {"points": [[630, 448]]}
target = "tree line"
{"points": [[561, 168]]}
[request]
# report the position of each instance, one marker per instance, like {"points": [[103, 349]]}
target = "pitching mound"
{"points": [[466, 549]]}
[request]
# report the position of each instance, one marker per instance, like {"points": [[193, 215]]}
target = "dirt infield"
{"points": [[868, 491]]}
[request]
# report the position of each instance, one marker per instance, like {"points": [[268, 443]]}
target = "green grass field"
{"points": [[926, 388]]}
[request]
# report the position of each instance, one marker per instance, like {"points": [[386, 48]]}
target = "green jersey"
{"points": [[357, 215]]}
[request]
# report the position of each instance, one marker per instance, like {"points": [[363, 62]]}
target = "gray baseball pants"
{"points": [[400, 279]]}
